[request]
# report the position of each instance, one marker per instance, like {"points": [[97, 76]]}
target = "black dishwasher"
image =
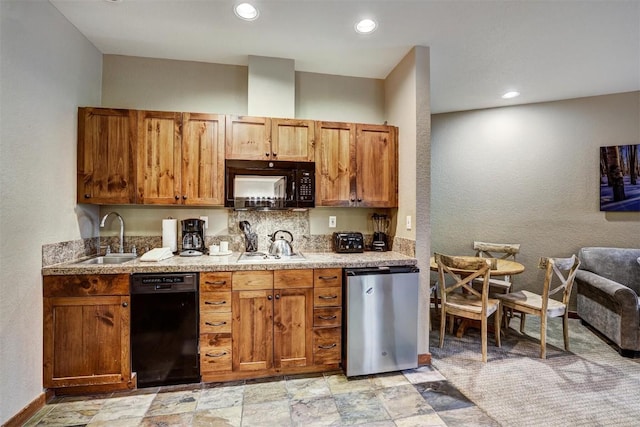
{"points": [[164, 328]]}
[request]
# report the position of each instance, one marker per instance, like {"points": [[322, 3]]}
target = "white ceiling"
{"points": [[548, 50]]}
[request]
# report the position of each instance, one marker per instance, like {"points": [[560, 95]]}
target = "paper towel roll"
{"points": [[170, 234]]}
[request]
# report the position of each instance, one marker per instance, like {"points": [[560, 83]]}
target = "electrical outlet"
{"points": [[332, 222], [206, 221], [408, 222]]}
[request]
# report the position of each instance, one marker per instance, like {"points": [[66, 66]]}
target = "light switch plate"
{"points": [[206, 221], [332, 222], [408, 222]]}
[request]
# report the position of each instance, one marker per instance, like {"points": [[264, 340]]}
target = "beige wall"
{"points": [[529, 174], [165, 85], [48, 68], [407, 104], [156, 84]]}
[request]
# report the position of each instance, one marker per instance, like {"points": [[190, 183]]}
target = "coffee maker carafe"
{"points": [[192, 237], [380, 230]]}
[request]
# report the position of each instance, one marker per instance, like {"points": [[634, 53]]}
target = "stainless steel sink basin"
{"points": [[263, 257], [110, 259]]}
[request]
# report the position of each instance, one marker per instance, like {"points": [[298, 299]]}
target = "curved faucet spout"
{"points": [[104, 218]]}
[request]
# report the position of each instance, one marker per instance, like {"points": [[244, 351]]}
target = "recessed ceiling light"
{"points": [[113, 1], [246, 11], [511, 94], [366, 26]]}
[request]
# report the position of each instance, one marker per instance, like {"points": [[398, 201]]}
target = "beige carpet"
{"points": [[592, 385]]}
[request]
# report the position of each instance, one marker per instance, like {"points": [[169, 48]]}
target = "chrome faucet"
{"points": [[104, 218]]}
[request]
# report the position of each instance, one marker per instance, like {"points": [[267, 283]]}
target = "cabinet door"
{"points": [[106, 155], [335, 164], [252, 330], [159, 163], [248, 138], [293, 327], [292, 140], [377, 166], [86, 341], [203, 159]]}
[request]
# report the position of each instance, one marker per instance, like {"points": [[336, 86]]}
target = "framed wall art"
{"points": [[619, 178]]}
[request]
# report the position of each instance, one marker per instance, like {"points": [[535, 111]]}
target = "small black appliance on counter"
{"points": [[193, 237], [348, 242]]}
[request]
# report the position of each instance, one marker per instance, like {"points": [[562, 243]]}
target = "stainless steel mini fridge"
{"points": [[381, 319]]}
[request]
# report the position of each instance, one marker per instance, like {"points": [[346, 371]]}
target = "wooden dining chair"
{"points": [[459, 298], [498, 285], [500, 251], [525, 302]]}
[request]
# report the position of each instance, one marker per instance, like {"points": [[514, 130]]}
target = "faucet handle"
{"points": [[134, 250], [108, 251]]}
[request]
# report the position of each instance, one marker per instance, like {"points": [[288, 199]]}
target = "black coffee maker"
{"points": [[193, 237]]}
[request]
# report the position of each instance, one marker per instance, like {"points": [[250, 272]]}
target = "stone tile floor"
{"points": [[417, 397]]}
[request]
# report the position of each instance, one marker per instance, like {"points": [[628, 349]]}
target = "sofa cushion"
{"points": [[618, 264]]}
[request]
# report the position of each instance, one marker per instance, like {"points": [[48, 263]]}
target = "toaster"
{"points": [[348, 242]]}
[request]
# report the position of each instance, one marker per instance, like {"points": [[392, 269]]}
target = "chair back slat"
{"points": [[564, 270], [496, 250]]}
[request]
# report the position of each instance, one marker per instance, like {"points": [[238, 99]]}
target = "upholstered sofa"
{"points": [[608, 285]]}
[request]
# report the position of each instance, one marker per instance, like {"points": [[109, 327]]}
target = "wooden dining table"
{"points": [[503, 267]]}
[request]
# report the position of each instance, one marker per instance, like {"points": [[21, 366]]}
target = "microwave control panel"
{"points": [[306, 190]]}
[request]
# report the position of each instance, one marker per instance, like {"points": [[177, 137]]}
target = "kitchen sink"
{"points": [[263, 257], [110, 259]]}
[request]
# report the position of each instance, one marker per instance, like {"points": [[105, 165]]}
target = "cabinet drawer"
{"points": [[326, 346], [330, 316], [252, 280], [327, 297], [215, 353], [293, 279], [84, 285], [327, 277], [215, 323], [215, 281], [215, 301]]}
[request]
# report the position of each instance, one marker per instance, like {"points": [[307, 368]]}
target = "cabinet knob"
{"points": [[184, 197], [266, 154], [270, 297], [87, 196], [277, 296], [177, 197], [124, 304], [359, 200], [275, 154]]}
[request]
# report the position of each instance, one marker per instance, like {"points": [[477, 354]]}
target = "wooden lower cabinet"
{"points": [[327, 316], [273, 325], [216, 319], [86, 333]]}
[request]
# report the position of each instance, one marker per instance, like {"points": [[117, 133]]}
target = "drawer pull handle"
{"points": [[224, 353], [327, 317], [215, 324], [215, 302], [327, 347], [327, 277], [327, 296], [217, 283]]}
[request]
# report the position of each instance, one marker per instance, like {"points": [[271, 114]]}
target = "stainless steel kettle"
{"points": [[281, 246]]}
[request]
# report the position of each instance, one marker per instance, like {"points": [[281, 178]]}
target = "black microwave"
{"points": [[266, 185]]}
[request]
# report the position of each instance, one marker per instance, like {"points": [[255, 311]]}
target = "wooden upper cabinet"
{"points": [[248, 138], [335, 163], [106, 155], [377, 163], [356, 165], [292, 140], [203, 159], [159, 157]]}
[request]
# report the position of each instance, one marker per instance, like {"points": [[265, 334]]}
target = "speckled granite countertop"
{"points": [[230, 263]]}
